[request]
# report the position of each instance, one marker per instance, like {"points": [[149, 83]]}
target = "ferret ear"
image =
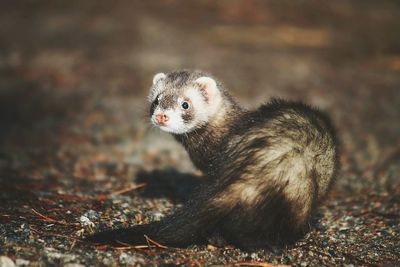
{"points": [[209, 88], [158, 77], [156, 89]]}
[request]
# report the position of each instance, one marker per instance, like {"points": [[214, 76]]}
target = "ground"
{"points": [[77, 153]]}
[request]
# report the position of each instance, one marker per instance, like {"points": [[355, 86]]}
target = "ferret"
{"points": [[267, 169]]}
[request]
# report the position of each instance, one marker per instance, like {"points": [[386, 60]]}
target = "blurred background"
{"points": [[74, 76]]}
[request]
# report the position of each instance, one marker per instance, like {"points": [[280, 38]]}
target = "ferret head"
{"points": [[183, 101]]}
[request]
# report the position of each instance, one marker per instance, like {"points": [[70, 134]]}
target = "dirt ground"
{"points": [[77, 153]]}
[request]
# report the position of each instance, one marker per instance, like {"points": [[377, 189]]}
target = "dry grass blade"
{"points": [[121, 191], [51, 220], [129, 246], [127, 189], [107, 247], [124, 247], [261, 264]]}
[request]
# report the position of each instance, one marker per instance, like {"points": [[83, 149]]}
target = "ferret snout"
{"points": [[161, 118]]}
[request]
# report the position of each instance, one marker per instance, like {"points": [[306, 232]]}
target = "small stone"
{"points": [[6, 262], [85, 221], [157, 215], [91, 214]]}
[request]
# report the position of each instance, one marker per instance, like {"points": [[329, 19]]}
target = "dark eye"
{"points": [[185, 105], [156, 101]]}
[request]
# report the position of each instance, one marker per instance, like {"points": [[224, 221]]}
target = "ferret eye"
{"points": [[185, 105]]}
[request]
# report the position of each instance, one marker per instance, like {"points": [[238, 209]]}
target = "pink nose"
{"points": [[161, 119]]}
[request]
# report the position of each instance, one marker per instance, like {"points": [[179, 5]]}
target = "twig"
{"points": [[130, 247], [147, 241], [65, 208], [48, 219], [125, 246], [154, 242], [130, 188], [121, 191], [262, 264]]}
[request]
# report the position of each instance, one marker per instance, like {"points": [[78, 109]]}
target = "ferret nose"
{"points": [[161, 119]]}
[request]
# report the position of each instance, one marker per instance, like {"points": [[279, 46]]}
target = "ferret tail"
{"points": [[135, 235], [191, 224], [167, 234]]}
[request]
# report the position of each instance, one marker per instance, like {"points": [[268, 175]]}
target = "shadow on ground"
{"points": [[170, 184]]}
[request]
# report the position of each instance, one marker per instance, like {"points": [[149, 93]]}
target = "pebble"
{"points": [[156, 216], [91, 214], [254, 255], [85, 221]]}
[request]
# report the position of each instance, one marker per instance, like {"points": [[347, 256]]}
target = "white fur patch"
{"points": [[200, 107], [175, 123]]}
